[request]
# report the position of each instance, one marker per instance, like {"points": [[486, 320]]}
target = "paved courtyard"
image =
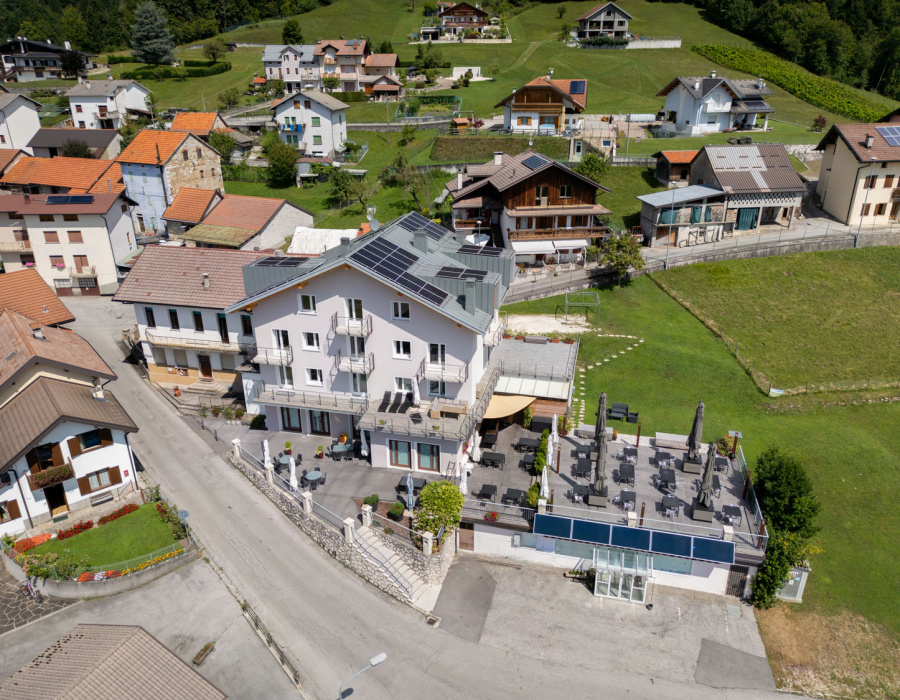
{"points": [[17, 609]]}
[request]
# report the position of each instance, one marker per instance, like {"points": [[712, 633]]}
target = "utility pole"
{"points": [[203, 100], [627, 133]]}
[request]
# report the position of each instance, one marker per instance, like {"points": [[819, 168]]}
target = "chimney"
{"points": [[470, 297], [345, 246], [712, 74], [459, 180], [696, 85], [204, 280], [97, 391], [498, 157], [759, 83], [870, 140], [87, 84], [27, 198], [67, 45], [38, 333], [420, 241]]}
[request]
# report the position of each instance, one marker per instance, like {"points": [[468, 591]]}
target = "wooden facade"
{"points": [[527, 194]]}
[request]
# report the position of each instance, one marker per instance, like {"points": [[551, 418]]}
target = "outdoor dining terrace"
{"points": [[644, 489]]}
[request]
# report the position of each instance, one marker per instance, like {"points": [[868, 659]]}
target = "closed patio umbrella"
{"points": [[293, 477], [410, 495], [417, 398], [476, 448], [363, 444], [266, 459], [545, 483], [554, 433], [705, 494], [601, 417], [600, 480], [695, 439], [463, 484]]}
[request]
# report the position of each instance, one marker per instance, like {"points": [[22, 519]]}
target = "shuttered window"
{"points": [[9, 510], [96, 481]]}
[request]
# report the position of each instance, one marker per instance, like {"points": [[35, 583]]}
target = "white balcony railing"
{"points": [[357, 327], [272, 356], [443, 371], [359, 364]]}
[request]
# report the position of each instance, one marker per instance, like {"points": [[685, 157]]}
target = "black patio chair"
{"points": [[322, 480]]}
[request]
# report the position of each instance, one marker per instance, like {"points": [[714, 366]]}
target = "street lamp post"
{"points": [[374, 661], [865, 202]]}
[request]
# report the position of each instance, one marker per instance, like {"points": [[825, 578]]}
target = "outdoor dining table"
{"points": [[495, 459], [626, 473], [342, 451], [585, 450], [667, 476], [418, 484], [670, 501], [583, 467], [488, 440], [528, 461], [312, 478], [579, 493], [487, 493], [284, 460], [733, 512], [514, 496], [628, 496], [529, 443]]}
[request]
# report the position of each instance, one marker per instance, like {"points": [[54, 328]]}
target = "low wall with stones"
{"points": [[430, 568], [324, 535], [805, 153]]}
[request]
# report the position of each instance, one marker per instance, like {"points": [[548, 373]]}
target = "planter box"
{"points": [[54, 475]]}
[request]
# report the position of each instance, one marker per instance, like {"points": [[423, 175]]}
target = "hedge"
{"points": [[410, 64], [113, 60], [351, 96], [821, 92], [167, 72]]}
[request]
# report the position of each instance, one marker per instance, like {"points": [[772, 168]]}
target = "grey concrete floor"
{"points": [[540, 639], [183, 610]]}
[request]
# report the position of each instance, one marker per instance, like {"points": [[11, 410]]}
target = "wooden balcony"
{"points": [[545, 234]]}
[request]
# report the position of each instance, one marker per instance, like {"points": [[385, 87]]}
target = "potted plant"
{"points": [[216, 411], [288, 446], [492, 517], [320, 451], [396, 512], [343, 438], [615, 434], [239, 412], [177, 391]]}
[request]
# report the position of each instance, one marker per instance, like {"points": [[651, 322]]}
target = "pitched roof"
{"points": [[96, 88], [242, 211], [381, 60], [59, 347], [8, 155], [198, 123], [563, 87], [274, 52], [170, 275], [763, 167], [342, 47], [38, 204], [705, 84], [190, 205], [154, 147], [45, 403], [26, 293], [110, 181], [74, 173], [590, 13], [10, 97], [228, 236], [854, 135], [323, 98], [98, 139], [466, 9], [513, 171], [676, 157], [107, 661]]}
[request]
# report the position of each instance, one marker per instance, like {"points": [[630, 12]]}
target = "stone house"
{"points": [[106, 144]]}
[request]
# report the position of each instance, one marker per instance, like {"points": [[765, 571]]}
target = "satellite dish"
{"points": [[375, 225]]}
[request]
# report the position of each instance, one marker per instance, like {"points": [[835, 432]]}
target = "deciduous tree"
{"points": [[593, 166], [213, 49], [785, 493], [282, 165], [76, 149], [621, 252]]}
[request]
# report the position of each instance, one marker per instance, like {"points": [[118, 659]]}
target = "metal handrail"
{"points": [[385, 564], [551, 233], [446, 371], [347, 325], [319, 398], [181, 341], [271, 356], [362, 364]]}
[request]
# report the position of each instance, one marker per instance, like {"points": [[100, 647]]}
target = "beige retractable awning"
{"points": [[503, 406]]}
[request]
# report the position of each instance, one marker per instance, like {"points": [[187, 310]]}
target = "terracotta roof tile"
{"points": [[198, 123], [25, 292], [565, 87], [381, 60], [152, 147], [59, 347], [240, 211], [7, 156], [349, 47], [110, 181], [190, 205], [170, 275], [854, 135], [679, 156], [259, 80], [73, 173]]}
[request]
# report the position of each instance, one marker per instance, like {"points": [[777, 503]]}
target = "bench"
{"points": [[102, 498], [672, 441]]}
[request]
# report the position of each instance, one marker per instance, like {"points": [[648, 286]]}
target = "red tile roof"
{"points": [[240, 211], [854, 135], [381, 60], [679, 157], [37, 204], [110, 181], [259, 81], [7, 156], [190, 205], [349, 47], [72, 173], [153, 147], [563, 86], [170, 275], [25, 292], [198, 123]]}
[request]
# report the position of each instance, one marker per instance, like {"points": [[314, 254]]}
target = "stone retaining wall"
{"points": [[805, 153], [327, 537], [431, 569]]}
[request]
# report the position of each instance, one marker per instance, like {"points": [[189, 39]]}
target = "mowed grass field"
{"points": [[809, 318], [850, 451]]}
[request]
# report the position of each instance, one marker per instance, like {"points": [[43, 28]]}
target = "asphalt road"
{"points": [[331, 622]]}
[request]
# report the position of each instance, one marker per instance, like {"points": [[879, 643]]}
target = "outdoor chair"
{"points": [[576, 497], [670, 512], [617, 500], [322, 480], [629, 505]]}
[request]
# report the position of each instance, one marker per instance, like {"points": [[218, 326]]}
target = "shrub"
{"points": [[785, 493], [116, 514], [532, 495], [527, 415], [60, 566], [396, 511], [239, 412], [76, 529], [258, 422], [492, 517], [440, 505], [169, 515], [782, 552], [372, 500], [821, 92], [228, 413], [113, 60], [169, 73]]}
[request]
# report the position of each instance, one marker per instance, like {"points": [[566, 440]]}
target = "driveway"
{"points": [[536, 641]]}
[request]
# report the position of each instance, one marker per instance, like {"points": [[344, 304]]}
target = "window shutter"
{"points": [[106, 437], [31, 460], [56, 455], [115, 476], [74, 447], [12, 509], [84, 485]]}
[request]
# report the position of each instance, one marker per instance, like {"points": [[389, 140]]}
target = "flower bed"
{"points": [[151, 562], [24, 545], [124, 510], [52, 476], [492, 517], [76, 529]]}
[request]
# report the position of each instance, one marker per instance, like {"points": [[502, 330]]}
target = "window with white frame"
{"points": [[310, 341], [403, 385], [315, 377], [402, 349], [307, 304], [400, 310], [285, 375], [436, 388]]}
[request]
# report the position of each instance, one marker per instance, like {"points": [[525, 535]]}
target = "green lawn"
{"points": [[850, 451], [130, 536], [814, 317], [779, 133], [626, 183]]}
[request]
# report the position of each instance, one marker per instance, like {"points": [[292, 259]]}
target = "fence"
{"points": [[497, 512], [244, 173], [267, 637], [395, 531]]}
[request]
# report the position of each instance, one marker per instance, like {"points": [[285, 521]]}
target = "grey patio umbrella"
{"points": [[601, 417], [600, 480], [705, 494], [695, 439]]}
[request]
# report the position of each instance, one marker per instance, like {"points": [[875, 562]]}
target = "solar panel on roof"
{"points": [[450, 272], [431, 293], [473, 275], [81, 199], [891, 134], [576, 87], [58, 199], [534, 162], [486, 250], [290, 262], [267, 262]]}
